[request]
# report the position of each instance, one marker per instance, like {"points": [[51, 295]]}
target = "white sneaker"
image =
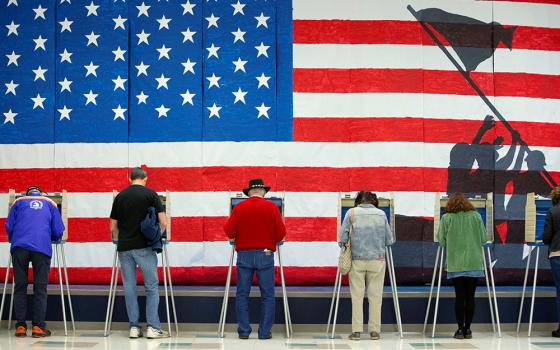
{"points": [[135, 332], [156, 333]]}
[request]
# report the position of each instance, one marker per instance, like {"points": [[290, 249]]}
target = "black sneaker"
{"points": [[243, 336], [556, 333], [268, 336], [467, 333], [459, 334]]}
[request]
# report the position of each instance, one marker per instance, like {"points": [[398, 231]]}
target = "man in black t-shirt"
{"points": [[129, 209]]}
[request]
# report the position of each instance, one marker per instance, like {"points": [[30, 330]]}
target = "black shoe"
{"points": [[268, 336], [467, 333], [459, 334], [243, 336], [556, 333]]}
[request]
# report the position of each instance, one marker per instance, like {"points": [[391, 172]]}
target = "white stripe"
{"points": [[89, 205], [346, 56], [216, 204], [196, 254], [104, 155], [506, 13], [26, 156], [370, 105], [294, 154], [3, 206]]}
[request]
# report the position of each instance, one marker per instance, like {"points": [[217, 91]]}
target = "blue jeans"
{"points": [[147, 261], [555, 267], [249, 262]]}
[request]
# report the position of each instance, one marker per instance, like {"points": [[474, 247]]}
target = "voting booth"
{"points": [[536, 208], [167, 282], [485, 207], [346, 202], [279, 202], [59, 257]]}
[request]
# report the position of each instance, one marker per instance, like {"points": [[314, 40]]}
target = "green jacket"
{"points": [[462, 234]]}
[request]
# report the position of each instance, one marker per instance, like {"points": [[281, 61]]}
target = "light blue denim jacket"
{"points": [[371, 232]]}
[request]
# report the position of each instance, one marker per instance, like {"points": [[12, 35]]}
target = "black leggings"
{"points": [[465, 288]]}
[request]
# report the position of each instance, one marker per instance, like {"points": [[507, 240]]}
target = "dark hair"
{"points": [[138, 173], [458, 202], [366, 197], [555, 195]]}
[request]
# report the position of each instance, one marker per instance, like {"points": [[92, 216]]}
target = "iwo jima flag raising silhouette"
{"points": [[474, 42]]}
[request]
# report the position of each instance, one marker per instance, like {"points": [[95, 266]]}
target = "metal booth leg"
{"points": [[487, 280], [434, 274], [534, 291], [63, 304], [524, 289], [438, 290], [65, 269], [166, 293], [8, 266], [174, 309], [287, 317], [223, 313], [393, 281], [493, 284], [112, 290], [336, 281]]}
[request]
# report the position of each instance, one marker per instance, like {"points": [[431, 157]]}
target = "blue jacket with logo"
{"points": [[33, 223]]}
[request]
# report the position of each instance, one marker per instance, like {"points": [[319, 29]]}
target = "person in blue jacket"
{"points": [[33, 222]]}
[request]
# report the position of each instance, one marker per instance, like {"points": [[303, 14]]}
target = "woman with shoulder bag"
{"points": [[366, 232]]}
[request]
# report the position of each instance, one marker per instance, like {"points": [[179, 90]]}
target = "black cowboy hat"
{"points": [[255, 183]]}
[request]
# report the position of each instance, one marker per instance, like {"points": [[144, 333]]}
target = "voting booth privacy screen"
{"points": [[483, 206], [535, 215], [385, 204], [59, 198]]}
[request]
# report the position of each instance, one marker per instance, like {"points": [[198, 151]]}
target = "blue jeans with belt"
{"points": [[555, 267], [147, 261], [249, 262]]}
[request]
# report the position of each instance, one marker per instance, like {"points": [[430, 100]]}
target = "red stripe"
{"points": [[214, 275], [416, 130], [292, 179], [207, 229], [405, 33], [424, 81]]}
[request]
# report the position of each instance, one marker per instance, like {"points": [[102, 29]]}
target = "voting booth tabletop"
{"points": [[199, 307]]}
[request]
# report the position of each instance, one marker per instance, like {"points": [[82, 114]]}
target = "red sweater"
{"points": [[255, 224]]}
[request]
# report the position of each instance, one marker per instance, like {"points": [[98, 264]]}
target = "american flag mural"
{"points": [[316, 97]]}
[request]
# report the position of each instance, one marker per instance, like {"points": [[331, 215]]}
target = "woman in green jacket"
{"points": [[462, 233]]}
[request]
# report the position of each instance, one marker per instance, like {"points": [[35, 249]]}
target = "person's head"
{"points": [[256, 188], [260, 192], [366, 197], [458, 202], [33, 190], [555, 195], [138, 176], [535, 160]]}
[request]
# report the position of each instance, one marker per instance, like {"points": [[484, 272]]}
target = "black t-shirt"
{"points": [[129, 209]]}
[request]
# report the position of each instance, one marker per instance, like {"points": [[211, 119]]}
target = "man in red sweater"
{"points": [[256, 226]]}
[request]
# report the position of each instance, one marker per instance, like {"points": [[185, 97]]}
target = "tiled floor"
{"points": [[118, 340]]}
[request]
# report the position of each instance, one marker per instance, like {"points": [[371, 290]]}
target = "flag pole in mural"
{"points": [[472, 50]]}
